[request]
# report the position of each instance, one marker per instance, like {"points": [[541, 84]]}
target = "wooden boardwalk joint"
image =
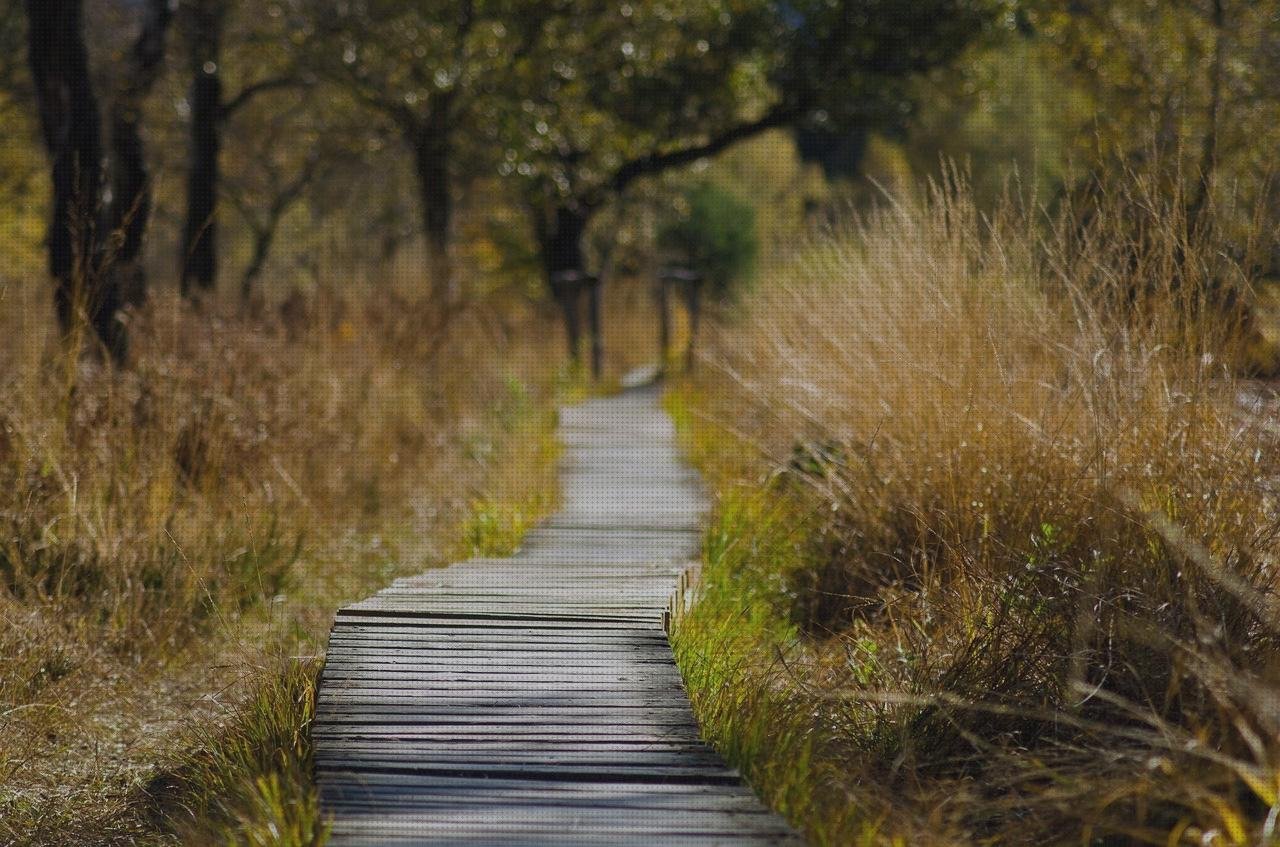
{"points": [[534, 700]]}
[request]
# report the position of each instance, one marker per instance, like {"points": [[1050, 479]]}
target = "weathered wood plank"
{"points": [[534, 768]]}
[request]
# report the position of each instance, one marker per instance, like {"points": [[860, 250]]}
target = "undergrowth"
{"points": [[994, 559], [173, 528]]}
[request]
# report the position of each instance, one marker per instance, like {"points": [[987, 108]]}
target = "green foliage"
{"points": [[1063, 93], [494, 529], [851, 62], [731, 651], [605, 87], [1003, 111], [714, 233]]}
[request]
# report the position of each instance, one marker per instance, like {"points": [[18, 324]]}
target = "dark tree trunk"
{"points": [[262, 240], [432, 152], [568, 303], [200, 233], [564, 263], [72, 133], [1209, 146], [693, 300], [265, 228], [594, 292], [130, 208], [662, 293]]}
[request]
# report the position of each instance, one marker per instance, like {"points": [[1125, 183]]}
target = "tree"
{"points": [[263, 219], [426, 69], [713, 238], [130, 207], [1195, 76], [645, 87], [602, 93], [95, 238], [316, 148], [12, 39], [204, 27], [72, 132]]}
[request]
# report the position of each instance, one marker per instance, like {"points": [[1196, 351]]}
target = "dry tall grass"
{"points": [[170, 531], [1012, 575]]}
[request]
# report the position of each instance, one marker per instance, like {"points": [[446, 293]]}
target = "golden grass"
{"points": [[174, 532], [1000, 566]]}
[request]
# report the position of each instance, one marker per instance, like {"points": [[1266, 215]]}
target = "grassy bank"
{"points": [[175, 533], [994, 554]]}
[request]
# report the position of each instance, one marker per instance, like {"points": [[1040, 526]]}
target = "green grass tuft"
{"points": [[249, 782]]}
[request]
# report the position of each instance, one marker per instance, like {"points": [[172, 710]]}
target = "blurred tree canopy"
{"points": [[712, 233], [489, 136]]}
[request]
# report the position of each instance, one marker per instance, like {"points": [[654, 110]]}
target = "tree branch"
{"points": [[247, 93], [404, 118], [653, 163]]}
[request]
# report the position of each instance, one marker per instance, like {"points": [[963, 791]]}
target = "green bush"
{"points": [[714, 233]]}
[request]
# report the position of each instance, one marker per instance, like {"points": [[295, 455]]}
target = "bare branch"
{"points": [[247, 93]]}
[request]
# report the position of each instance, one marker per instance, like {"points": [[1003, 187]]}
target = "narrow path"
{"points": [[534, 700]]}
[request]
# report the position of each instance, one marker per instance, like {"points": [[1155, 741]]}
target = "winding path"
{"points": [[534, 700]]}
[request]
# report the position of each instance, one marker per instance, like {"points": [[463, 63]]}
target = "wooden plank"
{"points": [[446, 734], [604, 770], [400, 659], [427, 647], [616, 753], [499, 670], [461, 631], [461, 625], [491, 699], [519, 821], [446, 804], [446, 784], [551, 821], [560, 839], [495, 664], [481, 610], [578, 715]]}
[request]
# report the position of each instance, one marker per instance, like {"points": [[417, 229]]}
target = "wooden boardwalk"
{"points": [[534, 700]]}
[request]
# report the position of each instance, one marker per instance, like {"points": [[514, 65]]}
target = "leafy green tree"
{"points": [[713, 239], [427, 69], [1192, 83], [637, 89]]}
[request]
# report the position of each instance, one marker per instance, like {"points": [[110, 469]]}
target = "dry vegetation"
{"points": [[995, 559], [174, 532]]}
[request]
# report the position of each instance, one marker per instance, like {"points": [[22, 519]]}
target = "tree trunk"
{"points": [[130, 208], [265, 228], [262, 240], [662, 293], [72, 133], [693, 300], [568, 303], [564, 263], [200, 233], [594, 292], [1209, 146], [432, 152]]}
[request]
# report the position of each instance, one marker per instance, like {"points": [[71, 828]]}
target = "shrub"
{"points": [[1035, 597], [714, 233]]}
